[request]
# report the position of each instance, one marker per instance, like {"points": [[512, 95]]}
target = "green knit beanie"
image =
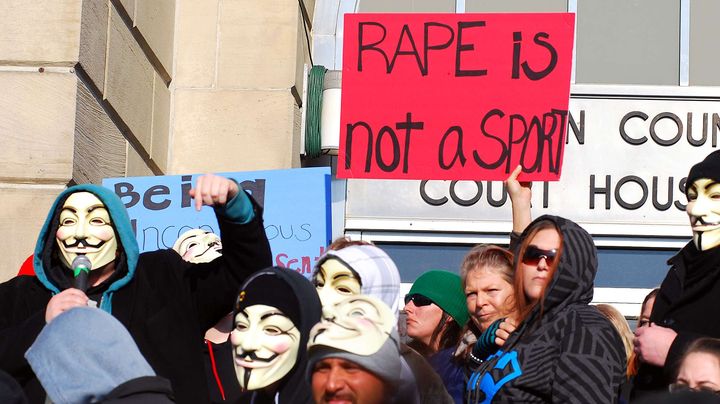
{"points": [[445, 290]]}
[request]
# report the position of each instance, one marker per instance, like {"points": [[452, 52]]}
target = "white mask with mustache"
{"points": [[198, 245], [703, 209], [265, 346], [85, 228], [358, 324]]}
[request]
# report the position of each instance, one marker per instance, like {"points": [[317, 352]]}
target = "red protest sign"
{"points": [[455, 96]]}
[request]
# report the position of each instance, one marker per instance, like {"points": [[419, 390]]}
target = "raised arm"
{"points": [[245, 246], [520, 199]]}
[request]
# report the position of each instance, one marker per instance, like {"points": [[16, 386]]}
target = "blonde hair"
{"points": [[623, 328], [488, 256]]}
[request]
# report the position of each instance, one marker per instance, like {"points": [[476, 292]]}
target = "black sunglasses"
{"points": [[678, 387], [419, 300], [533, 255]]}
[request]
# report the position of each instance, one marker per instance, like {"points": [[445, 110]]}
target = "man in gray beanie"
{"points": [[353, 354]]}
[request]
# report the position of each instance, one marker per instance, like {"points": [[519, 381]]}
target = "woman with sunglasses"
{"points": [[436, 314], [564, 350]]}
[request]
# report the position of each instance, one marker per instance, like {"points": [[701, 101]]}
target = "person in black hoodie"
{"points": [[688, 304], [199, 246], [164, 302], [564, 350], [274, 312]]}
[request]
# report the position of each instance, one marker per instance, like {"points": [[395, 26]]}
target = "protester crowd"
{"points": [[214, 321]]}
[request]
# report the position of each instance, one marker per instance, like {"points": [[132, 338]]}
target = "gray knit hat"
{"points": [[385, 363], [379, 277]]}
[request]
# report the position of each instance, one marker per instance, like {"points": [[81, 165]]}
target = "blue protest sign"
{"points": [[296, 210]]}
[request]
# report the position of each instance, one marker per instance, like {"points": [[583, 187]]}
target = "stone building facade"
{"points": [[107, 88]]}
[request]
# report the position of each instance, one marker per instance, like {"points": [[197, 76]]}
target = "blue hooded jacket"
{"points": [[54, 276], [164, 302]]}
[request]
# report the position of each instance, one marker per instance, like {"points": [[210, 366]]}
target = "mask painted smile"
{"points": [[337, 330], [212, 247], [699, 224], [251, 360], [81, 246]]}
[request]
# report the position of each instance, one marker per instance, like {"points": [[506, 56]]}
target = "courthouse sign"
{"points": [[627, 154]]}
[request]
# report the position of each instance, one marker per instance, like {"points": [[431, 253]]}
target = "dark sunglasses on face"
{"points": [[533, 255], [678, 387], [419, 300]]}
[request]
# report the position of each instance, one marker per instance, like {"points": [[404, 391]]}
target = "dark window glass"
{"points": [[618, 268]]}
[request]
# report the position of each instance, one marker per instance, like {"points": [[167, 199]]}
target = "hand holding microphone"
{"points": [[71, 297]]}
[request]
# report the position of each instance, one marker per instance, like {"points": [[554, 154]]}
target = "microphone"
{"points": [[81, 266]]}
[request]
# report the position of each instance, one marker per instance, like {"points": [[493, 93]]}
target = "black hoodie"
{"points": [[688, 303], [569, 353], [294, 387], [165, 303]]}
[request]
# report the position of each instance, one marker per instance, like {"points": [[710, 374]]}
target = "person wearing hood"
{"points": [[275, 310], [357, 269], [198, 246], [352, 268], [563, 350], [688, 303], [86, 254]]}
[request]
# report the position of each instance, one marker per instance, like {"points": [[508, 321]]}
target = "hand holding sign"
{"points": [[520, 196], [213, 190]]}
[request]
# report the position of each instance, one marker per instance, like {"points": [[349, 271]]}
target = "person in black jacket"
{"points": [[688, 304], [165, 303], [564, 350], [274, 312]]}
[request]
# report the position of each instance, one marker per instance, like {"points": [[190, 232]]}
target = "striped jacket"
{"points": [[569, 353]]}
